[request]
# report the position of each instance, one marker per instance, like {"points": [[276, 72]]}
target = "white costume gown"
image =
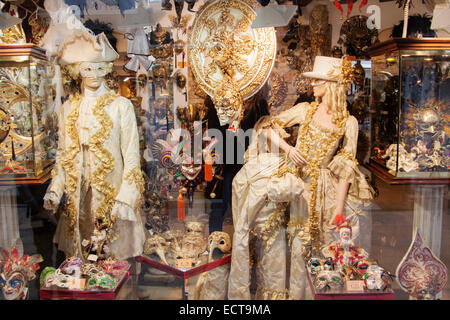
{"points": [[254, 217]]}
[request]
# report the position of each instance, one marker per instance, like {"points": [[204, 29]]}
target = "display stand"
{"points": [[429, 196], [342, 294], [183, 274], [116, 294]]}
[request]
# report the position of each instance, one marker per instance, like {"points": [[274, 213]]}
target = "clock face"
{"points": [[5, 125], [16, 129], [224, 48]]}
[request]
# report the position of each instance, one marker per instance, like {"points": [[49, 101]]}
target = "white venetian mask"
{"points": [[93, 69]]}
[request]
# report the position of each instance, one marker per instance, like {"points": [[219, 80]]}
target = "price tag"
{"points": [[184, 263], [92, 257], [355, 285], [76, 283], [181, 64]]}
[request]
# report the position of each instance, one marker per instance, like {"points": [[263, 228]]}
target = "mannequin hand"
{"points": [[51, 202], [296, 157]]}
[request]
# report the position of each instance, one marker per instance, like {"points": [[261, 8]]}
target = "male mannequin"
{"points": [[98, 162]]}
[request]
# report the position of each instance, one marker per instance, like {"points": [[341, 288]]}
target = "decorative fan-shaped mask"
{"points": [[420, 273]]}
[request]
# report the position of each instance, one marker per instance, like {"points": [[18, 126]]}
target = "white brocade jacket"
{"points": [[105, 123]]}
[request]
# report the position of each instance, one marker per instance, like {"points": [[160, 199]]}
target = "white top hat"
{"points": [[86, 47], [326, 68]]}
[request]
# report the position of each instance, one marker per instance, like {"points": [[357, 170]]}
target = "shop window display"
{"points": [[180, 150]]}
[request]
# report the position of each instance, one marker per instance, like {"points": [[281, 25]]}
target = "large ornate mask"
{"points": [[359, 75], [14, 287], [156, 245], [228, 104], [195, 229], [16, 272], [160, 43], [319, 19], [191, 170], [172, 238], [218, 240], [160, 74], [420, 273], [230, 60], [357, 37], [428, 122], [180, 80], [193, 242], [192, 247]]}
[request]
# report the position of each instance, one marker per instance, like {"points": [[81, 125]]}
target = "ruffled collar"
{"points": [[97, 93]]}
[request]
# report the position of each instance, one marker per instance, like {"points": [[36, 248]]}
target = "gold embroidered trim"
{"points": [[271, 294], [272, 226], [103, 212], [54, 172], [347, 155], [286, 169], [135, 176], [311, 233], [292, 230], [74, 148], [71, 151]]}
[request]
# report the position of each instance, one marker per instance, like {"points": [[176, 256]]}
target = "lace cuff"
{"points": [[51, 201], [345, 166], [123, 211]]}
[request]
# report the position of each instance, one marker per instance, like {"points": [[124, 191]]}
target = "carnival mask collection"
{"points": [[74, 274], [423, 131], [172, 245], [328, 276]]}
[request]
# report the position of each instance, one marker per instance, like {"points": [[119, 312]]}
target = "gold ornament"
{"points": [[224, 49]]}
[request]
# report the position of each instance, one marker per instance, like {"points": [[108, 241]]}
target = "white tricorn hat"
{"points": [[326, 68], [86, 47]]}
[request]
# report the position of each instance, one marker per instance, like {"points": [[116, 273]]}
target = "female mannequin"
{"points": [[318, 177]]}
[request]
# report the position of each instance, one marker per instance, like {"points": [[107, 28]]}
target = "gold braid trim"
{"points": [[67, 162], [347, 155], [136, 176], [293, 228], [269, 231], [271, 294], [286, 169], [107, 164], [54, 171], [311, 233]]}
